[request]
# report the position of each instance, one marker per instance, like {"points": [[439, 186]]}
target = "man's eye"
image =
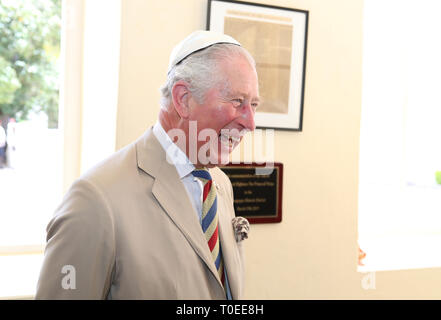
{"points": [[237, 102], [255, 105]]}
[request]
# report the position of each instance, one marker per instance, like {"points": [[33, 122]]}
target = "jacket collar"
{"points": [[172, 196]]}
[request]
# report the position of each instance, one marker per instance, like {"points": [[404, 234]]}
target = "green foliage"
{"points": [[9, 82], [29, 51], [438, 177]]}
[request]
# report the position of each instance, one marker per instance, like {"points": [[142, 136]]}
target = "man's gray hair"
{"points": [[201, 70]]}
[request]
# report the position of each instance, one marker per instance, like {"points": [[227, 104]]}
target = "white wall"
{"points": [[101, 45]]}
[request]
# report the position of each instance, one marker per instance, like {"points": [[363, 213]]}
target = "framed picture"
{"points": [[276, 37], [257, 191]]}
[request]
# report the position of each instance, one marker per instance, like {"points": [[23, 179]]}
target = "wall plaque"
{"points": [[257, 191]]}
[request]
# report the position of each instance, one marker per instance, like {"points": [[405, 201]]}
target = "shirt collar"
{"points": [[175, 155]]}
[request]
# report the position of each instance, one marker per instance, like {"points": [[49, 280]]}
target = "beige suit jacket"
{"points": [[127, 230]]}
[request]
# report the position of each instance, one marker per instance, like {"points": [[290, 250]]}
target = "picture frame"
{"points": [[277, 39], [257, 190]]}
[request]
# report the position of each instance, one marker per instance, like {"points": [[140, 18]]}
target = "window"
{"points": [[400, 154], [31, 166], [87, 69]]}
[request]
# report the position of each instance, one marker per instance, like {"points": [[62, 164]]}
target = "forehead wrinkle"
{"points": [[225, 88]]}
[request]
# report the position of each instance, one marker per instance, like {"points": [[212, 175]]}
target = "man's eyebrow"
{"points": [[238, 93]]}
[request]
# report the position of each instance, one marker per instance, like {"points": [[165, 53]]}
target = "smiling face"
{"points": [[227, 110]]}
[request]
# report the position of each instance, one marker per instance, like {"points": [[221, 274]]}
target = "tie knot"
{"points": [[202, 174]]}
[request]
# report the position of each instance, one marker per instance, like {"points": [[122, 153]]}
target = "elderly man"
{"points": [[154, 221]]}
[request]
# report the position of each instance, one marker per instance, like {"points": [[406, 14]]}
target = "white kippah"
{"points": [[196, 41]]}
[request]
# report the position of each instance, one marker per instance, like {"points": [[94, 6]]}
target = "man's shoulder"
{"points": [[112, 164], [117, 167]]}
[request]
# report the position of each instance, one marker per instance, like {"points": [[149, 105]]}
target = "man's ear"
{"points": [[180, 96]]}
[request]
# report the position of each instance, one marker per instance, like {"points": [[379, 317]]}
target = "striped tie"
{"points": [[210, 219]]}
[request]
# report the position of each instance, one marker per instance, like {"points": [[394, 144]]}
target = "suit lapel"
{"points": [[172, 196], [230, 251]]}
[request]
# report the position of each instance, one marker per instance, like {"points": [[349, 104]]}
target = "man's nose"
{"points": [[247, 117]]}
